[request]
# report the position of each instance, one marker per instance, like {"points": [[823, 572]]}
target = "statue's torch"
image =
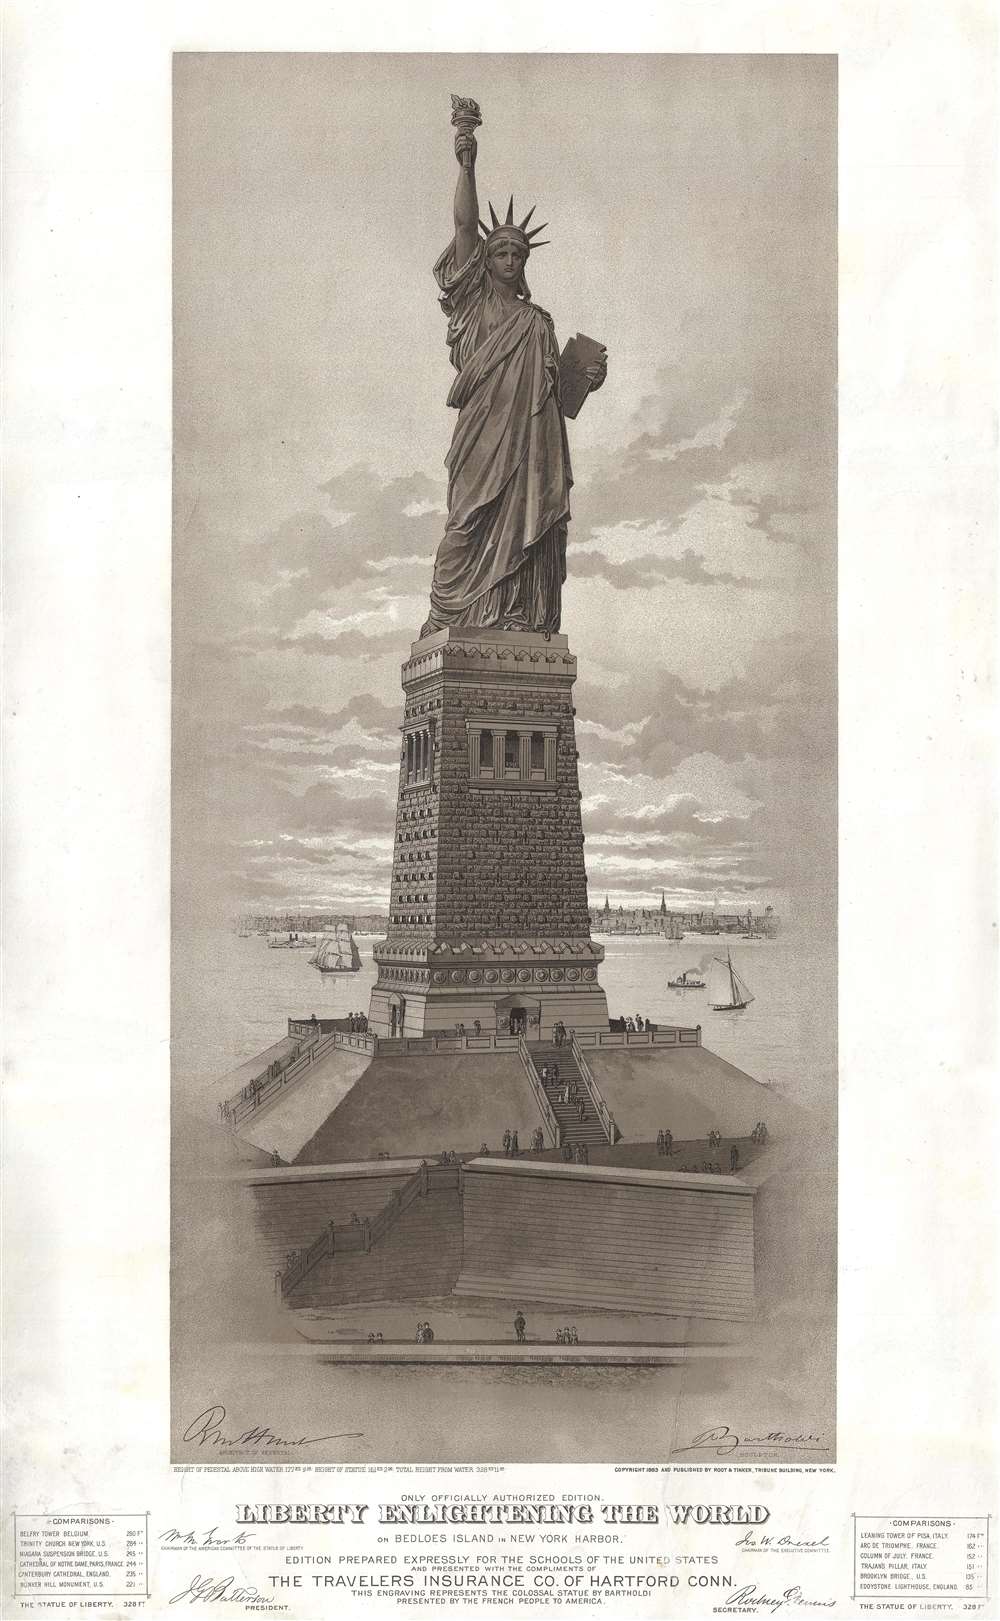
{"points": [[466, 118]]}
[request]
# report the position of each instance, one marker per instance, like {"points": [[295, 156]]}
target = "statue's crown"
{"points": [[520, 233]]}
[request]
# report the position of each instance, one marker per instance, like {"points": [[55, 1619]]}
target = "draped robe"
{"points": [[502, 561]]}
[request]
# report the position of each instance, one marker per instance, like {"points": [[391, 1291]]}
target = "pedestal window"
{"points": [[502, 755]]}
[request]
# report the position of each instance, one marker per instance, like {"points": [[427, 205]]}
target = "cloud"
{"points": [[349, 644], [325, 560], [650, 570], [781, 705], [365, 709], [765, 434]]}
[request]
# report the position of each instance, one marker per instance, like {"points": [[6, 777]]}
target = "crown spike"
{"points": [[493, 216], [524, 223], [539, 245], [484, 228], [510, 211], [537, 231]]}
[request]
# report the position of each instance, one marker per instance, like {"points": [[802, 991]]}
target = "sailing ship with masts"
{"points": [[726, 990], [337, 953]]}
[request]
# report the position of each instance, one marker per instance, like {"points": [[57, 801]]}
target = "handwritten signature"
{"points": [[749, 1596], [721, 1440], [768, 1544], [207, 1427], [210, 1591], [205, 1539]]}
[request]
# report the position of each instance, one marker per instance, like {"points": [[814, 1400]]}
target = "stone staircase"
{"points": [[573, 1130], [420, 1256]]}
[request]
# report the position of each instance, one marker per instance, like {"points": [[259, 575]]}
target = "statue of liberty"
{"points": [[502, 561]]}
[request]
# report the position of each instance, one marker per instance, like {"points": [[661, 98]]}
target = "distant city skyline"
{"points": [[326, 915], [693, 230]]}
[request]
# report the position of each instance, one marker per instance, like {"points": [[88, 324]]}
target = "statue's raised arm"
{"points": [[465, 116]]}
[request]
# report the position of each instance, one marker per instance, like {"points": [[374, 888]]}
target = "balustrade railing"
{"points": [[263, 1088], [535, 1082], [597, 1098], [355, 1237], [666, 1036], [414, 1046], [273, 1080]]}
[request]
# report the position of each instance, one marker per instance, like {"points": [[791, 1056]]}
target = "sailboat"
{"points": [[726, 989], [336, 953]]}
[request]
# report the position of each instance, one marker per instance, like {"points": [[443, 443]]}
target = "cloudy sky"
{"points": [[691, 204]]}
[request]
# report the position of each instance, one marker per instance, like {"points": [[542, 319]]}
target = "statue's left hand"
{"points": [[597, 373]]}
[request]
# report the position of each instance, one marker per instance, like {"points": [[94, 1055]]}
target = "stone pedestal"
{"points": [[488, 914]]}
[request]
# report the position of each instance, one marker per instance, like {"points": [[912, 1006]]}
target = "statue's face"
{"points": [[506, 262]]}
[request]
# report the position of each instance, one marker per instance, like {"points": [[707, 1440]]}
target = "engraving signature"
{"points": [[721, 1440], [205, 1539], [207, 1589], [207, 1427], [749, 1596]]}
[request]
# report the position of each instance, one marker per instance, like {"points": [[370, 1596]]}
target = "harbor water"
{"points": [[234, 996]]}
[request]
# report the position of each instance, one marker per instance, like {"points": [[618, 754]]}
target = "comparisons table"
{"points": [[81, 1556], [935, 1558]]}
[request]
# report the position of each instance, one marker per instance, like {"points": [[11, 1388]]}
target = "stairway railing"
{"points": [[535, 1082], [597, 1098], [355, 1237], [267, 1085], [264, 1087]]}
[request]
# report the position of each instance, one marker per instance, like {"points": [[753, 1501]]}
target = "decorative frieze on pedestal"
{"points": [[488, 915]]}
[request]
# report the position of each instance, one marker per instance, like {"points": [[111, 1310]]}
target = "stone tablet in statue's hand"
{"points": [[597, 373]]}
